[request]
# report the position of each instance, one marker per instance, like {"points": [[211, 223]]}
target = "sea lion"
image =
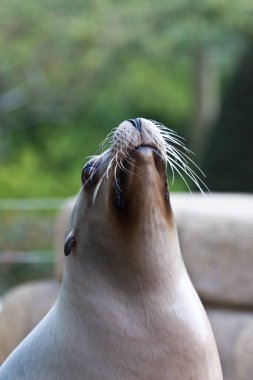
{"points": [[127, 308]]}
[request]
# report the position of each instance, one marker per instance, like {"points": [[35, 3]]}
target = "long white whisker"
{"points": [[185, 157], [109, 166], [178, 171], [94, 196], [115, 172], [177, 156], [172, 170], [189, 172]]}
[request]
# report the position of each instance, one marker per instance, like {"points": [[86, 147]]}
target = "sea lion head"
{"points": [[123, 209]]}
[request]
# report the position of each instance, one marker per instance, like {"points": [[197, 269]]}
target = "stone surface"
{"points": [[21, 309], [233, 331], [216, 237]]}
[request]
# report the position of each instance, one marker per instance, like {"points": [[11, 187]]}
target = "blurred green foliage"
{"points": [[27, 231], [26, 245], [14, 274], [70, 71]]}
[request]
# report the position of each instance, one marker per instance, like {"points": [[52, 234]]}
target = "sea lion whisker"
{"points": [[109, 166], [170, 139], [103, 176], [180, 157], [174, 153], [166, 135], [103, 147], [165, 129], [172, 170], [94, 196], [115, 178], [179, 149], [97, 158], [190, 173], [197, 179], [122, 167], [178, 171], [128, 159], [94, 165], [170, 135], [127, 154], [108, 140], [117, 159], [130, 162], [178, 161], [127, 170], [120, 160], [185, 157], [115, 171]]}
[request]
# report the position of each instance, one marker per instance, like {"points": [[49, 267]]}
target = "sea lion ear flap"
{"points": [[69, 243]]}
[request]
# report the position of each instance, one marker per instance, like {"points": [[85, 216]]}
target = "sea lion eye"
{"points": [[89, 175]]}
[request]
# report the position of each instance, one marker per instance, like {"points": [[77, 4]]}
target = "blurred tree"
{"points": [[229, 156], [70, 66]]}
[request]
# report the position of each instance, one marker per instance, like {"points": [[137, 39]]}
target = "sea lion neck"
{"points": [[132, 259]]}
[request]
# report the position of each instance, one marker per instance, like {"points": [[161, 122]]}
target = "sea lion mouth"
{"points": [[150, 146]]}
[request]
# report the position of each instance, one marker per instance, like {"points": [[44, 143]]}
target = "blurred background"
{"points": [[70, 71]]}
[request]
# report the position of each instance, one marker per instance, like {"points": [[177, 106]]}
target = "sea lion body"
{"points": [[127, 308]]}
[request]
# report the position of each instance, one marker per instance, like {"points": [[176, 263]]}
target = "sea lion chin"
{"points": [[127, 308]]}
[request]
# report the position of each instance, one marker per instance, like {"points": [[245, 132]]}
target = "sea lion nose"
{"points": [[136, 123]]}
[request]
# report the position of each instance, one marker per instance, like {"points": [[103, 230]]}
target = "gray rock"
{"points": [[233, 331], [216, 237]]}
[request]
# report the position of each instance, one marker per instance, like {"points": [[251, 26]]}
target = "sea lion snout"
{"points": [[134, 133]]}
